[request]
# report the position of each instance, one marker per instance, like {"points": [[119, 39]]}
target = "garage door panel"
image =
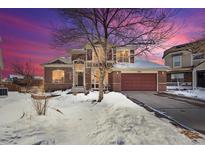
{"points": [[139, 82]]}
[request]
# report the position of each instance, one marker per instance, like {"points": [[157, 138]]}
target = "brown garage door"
{"points": [[139, 82]]}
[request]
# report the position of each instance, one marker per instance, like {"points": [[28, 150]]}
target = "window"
{"points": [[177, 77], [132, 52], [122, 56], [89, 54], [132, 56], [95, 76], [58, 76], [177, 61], [109, 55]]}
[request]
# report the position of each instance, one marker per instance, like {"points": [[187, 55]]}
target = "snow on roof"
{"points": [[38, 77], [65, 59], [11, 76], [140, 64]]}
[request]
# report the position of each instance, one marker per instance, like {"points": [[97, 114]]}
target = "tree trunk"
{"points": [[101, 85]]}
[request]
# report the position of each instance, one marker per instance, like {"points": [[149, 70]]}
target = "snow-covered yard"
{"points": [[116, 120], [198, 93]]}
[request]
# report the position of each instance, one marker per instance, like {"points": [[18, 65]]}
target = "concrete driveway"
{"points": [[187, 114]]}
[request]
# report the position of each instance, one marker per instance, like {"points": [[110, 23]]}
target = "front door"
{"points": [[80, 78]]}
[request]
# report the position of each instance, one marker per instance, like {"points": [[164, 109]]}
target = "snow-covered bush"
{"points": [[40, 105]]}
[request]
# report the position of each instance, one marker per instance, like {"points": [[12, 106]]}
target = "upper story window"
{"points": [[132, 56], [122, 56], [177, 61], [58, 76], [89, 54], [198, 56]]}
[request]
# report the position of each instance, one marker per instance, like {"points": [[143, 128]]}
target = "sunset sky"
{"points": [[26, 35]]}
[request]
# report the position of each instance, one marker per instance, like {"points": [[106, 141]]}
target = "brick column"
{"points": [[162, 81], [114, 81]]}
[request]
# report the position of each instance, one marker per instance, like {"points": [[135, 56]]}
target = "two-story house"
{"points": [[80, 70], [187, 62]]}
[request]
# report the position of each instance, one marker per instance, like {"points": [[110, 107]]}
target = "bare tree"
{"points": [[25, 69], [142, 28]]}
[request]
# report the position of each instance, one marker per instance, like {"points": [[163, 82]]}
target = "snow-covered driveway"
{"points": [[116, 120]]}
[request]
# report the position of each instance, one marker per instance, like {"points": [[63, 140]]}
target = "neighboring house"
{"points": [[1, 65], [80, 71], [20, 80], [187, 62]]}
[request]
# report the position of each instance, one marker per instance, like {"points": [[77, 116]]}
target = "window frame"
{"points": [[121, 58], [54, 81], [177, 77], [174, 60]]}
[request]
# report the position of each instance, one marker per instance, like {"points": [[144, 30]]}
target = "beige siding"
{"points": [[197, 61], [168, 60], [186, 59]]}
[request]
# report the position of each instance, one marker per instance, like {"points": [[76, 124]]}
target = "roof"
{"points": [[140, 65], [77, 51], [196, 46], [64, 60]]}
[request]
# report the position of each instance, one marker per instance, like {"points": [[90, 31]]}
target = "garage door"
{"points": [[139, 82]]}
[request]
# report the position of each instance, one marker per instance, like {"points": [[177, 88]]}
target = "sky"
{"points": [[26, 35]]}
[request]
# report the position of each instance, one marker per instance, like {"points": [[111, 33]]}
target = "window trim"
{"points": [[173, 74], [53, 81]]}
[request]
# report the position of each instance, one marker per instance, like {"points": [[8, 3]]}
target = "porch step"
{"points": [[78, 90]]}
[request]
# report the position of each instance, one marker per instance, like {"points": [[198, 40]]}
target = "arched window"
{"points": [[58, 76]]}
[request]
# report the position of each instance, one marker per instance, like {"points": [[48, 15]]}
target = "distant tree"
{"points": [[26, 69], [143, 28]]}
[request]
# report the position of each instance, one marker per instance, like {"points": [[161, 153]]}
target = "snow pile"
{"points": [[198, 93], [179, 87], [128, 123], [140, 64], [116, 120]]}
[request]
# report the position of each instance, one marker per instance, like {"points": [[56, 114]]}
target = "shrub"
{"points": [[40, 105]]}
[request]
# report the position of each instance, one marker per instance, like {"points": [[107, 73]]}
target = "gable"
{"points": [[57, 62]]}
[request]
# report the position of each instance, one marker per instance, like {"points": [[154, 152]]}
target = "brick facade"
{"points": [[162, 81], [50, 86], [88, 78], [114, 81]]}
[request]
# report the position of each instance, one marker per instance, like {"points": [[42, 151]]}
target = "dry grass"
{"points": [[40, 104], [191, 135]]}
